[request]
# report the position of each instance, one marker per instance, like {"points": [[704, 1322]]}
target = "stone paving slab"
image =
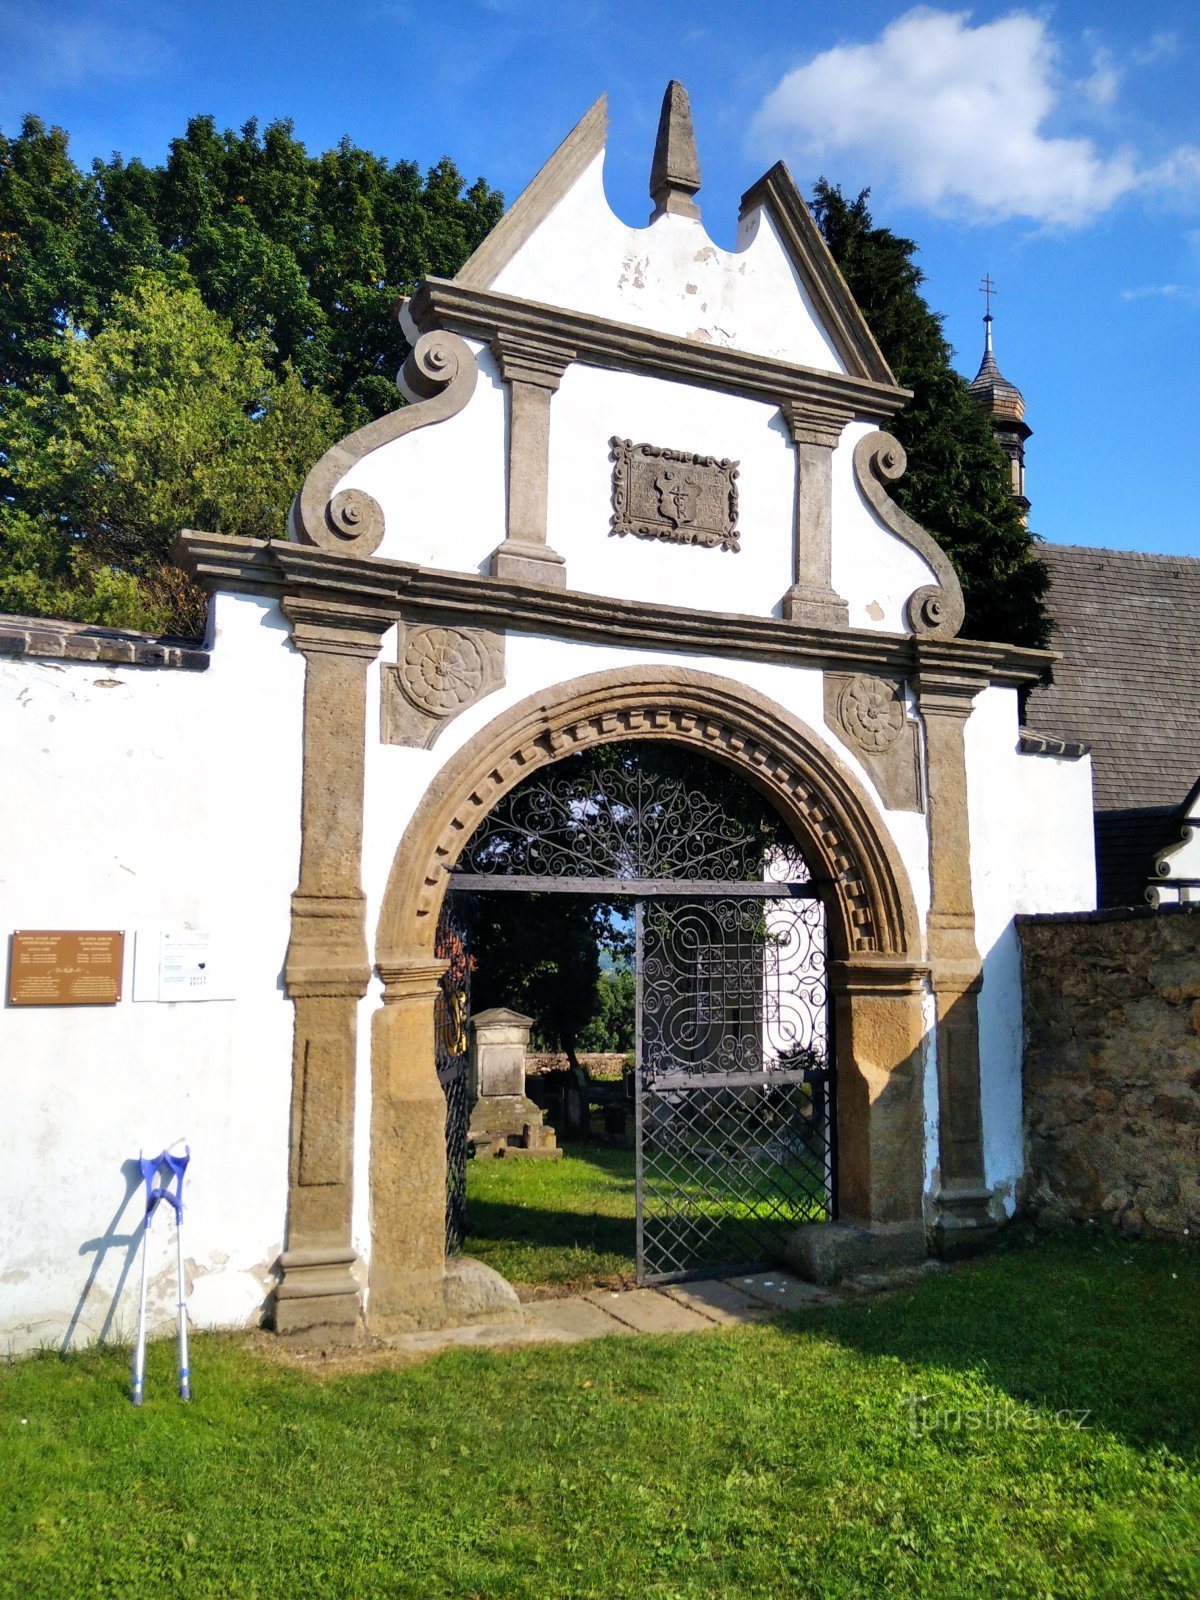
{"points": [[575, 1318], [779, 1290], [720, 1302], [649, 1311], [669, 1308]]}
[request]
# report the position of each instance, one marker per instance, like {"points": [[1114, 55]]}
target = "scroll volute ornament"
{"points": [[441, 372], [936, 610]]}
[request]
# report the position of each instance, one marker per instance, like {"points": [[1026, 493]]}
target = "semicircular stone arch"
{"points": [[874, 934], [834, 821]]}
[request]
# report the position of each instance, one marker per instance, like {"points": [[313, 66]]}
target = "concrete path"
{"points": [[671, 1308]]}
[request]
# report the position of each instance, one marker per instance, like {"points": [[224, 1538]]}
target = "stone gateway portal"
{"points": [[632, 532]]}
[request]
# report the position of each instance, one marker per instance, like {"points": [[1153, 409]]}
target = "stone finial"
{"points": [[675, 170]]}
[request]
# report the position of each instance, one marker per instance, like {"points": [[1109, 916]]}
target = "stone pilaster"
{"points": [[532, 372], [962, 1216], [811, 598], [408, 1151], [880, 1031], [326, 971]]}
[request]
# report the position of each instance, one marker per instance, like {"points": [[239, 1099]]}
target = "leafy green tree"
{"points": [[163, 419], [612, 1024], [299, 257], [540, 954], [958, 482]]}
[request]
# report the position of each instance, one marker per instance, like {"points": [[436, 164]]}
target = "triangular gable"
{"points": [[777, 294], [538, 198], [777, 193]]}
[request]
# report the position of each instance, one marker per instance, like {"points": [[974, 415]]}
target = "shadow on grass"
{"points": [[1078, 1320], [495, 1221]]}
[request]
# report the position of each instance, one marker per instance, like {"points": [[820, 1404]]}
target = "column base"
{"points": [[529, 563], [824, 1252], [317, 1301], [462, 1292], [962, 1222], [815, 607]]}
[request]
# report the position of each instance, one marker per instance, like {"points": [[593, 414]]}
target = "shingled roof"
{"points": [[1128, 627]]}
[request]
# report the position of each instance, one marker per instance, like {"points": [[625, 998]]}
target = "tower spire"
{"points": [[675, 170], [1003, 402]]}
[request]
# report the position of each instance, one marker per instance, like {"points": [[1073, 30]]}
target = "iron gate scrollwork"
{"points": [[734, 1077], [451, 1052], [734, 1082]]}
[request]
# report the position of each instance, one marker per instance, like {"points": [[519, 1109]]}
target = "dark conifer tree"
{"points": [[958, 483]]}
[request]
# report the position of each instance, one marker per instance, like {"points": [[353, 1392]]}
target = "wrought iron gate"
{"points": [[734, 1077], [734, 1080], [451, 1053]]}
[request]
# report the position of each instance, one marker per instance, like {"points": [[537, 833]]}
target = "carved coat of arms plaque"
{"points": [[669, 494]]}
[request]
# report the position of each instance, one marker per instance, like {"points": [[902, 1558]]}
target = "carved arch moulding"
{"points": [[832, 817]]}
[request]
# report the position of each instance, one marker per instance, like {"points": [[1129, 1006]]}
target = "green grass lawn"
{"points": [[776, 1461], [568, 1223]]}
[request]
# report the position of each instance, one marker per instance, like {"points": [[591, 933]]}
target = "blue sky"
{"points": [[1055, 146]]}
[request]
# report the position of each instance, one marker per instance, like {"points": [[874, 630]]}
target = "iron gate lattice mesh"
{"points": [[735, 1081], [451, 1052]]}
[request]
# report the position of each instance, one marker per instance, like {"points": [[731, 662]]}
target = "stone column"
{"points": [[811, 598], [326, 971], [532, 372], [408, 1151], [962, 1218], [880, 1052], [880, 1076]]}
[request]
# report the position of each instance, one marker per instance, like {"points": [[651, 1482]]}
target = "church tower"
{"points": [[1005, 406]]}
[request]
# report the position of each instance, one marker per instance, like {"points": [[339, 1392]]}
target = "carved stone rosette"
{"points": [[868, 715], [673, 495], [438, 672]]}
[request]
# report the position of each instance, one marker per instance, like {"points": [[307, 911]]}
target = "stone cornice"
{"points": [[485, 314], [373, 589]]}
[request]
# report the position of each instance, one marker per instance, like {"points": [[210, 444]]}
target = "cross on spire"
{"points": [[988, 288]]}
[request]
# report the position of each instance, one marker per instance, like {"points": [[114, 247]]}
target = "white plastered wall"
{"points": [[1031, 850], [139, 798], [670, 276], [443, 494]]}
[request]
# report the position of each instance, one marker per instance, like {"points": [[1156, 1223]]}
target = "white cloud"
{"points": [[64, 52], [955, 118], [1161, 291]]}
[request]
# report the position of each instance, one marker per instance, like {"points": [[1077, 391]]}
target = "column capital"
{"points": [[538, 362], [409, 977], [869, 973], [336, 627], [812, 424], [943, 692]]}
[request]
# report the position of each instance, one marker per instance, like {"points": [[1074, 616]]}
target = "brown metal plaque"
{"points": [[65, 968]]}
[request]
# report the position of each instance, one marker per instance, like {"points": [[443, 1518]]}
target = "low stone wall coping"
{"points": [[1039, 919], [47, 639]]}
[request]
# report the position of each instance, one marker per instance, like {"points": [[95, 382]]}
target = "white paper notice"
{"points": [[174, 964], [185, 965]]}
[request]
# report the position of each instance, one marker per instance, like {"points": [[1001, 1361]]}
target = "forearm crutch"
{"points": [[177, 1166]]}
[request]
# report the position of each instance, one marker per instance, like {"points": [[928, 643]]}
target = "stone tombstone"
{"points": [[499, 1040]]}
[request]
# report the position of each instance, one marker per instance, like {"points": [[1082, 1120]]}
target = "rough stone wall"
{"points": [[1112, 1067]]}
